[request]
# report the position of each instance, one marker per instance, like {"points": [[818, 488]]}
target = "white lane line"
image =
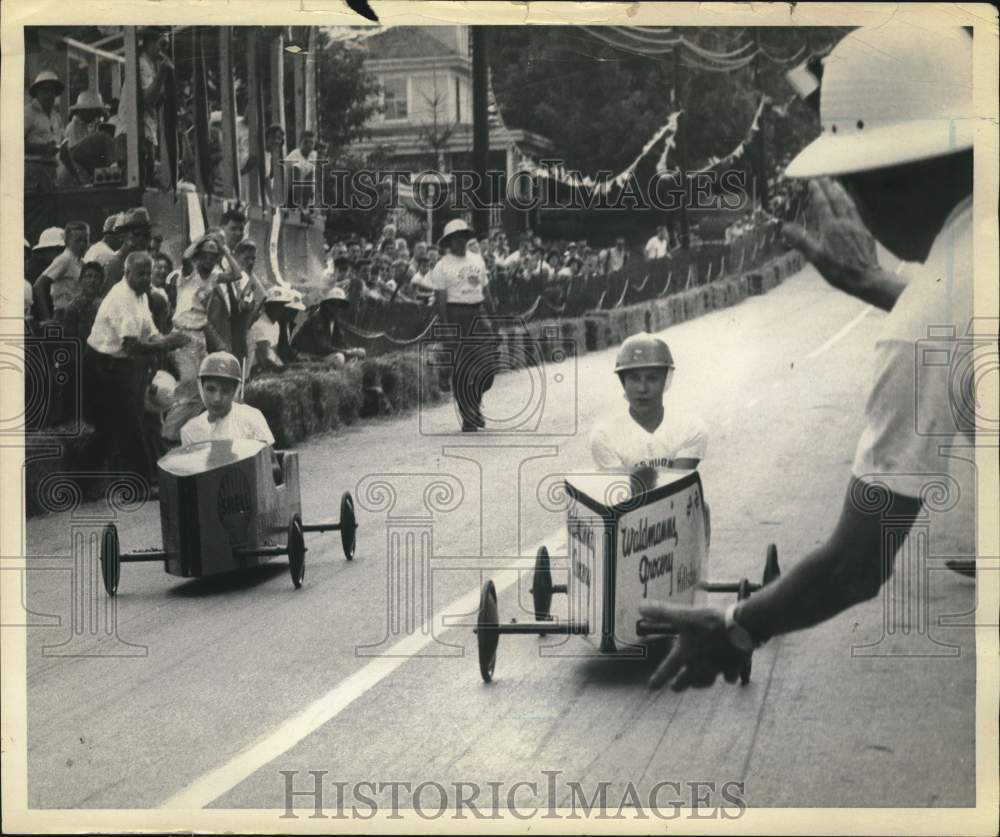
{"points": [[840, 334], [209, 787]]}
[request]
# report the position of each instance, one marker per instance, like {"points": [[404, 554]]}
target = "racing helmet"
{"points": [[221, 365], [643, 351]]}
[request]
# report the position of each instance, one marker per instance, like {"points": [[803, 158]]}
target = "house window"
{"points": [[394, 98], [458, 100]]}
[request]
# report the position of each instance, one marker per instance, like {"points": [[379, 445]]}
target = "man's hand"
{"points": [[700, 652], [842, 249]]}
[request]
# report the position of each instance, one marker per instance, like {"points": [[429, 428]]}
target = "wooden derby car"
{"points": [[625, 548], [222, 509]]}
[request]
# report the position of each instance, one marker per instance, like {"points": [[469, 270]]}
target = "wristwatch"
{"points": [[738, 635]]}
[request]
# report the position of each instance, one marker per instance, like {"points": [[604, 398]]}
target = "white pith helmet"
{"points": [[890, 95]]}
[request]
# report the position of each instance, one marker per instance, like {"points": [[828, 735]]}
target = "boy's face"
{"points": [[218, 394], [644, 388]]}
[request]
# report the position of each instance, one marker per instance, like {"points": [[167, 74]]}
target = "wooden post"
{"points": [[310, 82], [254, 117], [299, 93], [131, 88], [278, 83], [230, 159], [480, 124], [678, 97]]}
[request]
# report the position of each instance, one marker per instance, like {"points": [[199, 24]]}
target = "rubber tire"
{"points": [[744, 593], [488, 631], [541, 585], [348, 525], [296, 551], [111, 565], [772, 572]]}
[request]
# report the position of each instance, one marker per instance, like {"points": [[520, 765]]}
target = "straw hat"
{"points": [[88, 100], [455, 227], [47, 77], [890, 95]]}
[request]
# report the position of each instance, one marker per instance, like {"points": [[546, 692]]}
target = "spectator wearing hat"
{"points": [[58, 284], [894, 163], [104, 248], [136, 230], [269, 335], [120, 349], [460, 281], [51, 243], [87, 147], [42, 132], [322, 335]]}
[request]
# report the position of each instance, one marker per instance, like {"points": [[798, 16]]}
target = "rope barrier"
{"points": [[621, 299]]}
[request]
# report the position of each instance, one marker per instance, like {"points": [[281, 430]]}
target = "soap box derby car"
{"points": [[222, 509], [626, 547]]}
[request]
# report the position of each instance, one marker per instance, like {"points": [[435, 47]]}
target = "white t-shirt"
{"points": [[193, 294], [242, 422], [618, 442], [462, 278], [306, 166], [656, 247], [264, 330], [121, 314], [920, 400]]}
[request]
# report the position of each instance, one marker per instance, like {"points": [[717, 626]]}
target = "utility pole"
{"points": [[677, 98], [480, 126], [761, 164]]}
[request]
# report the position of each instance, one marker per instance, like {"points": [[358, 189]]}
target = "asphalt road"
{"points": [[200, 692]]}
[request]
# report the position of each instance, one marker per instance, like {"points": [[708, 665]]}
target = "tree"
{"points": [[348, 94]]}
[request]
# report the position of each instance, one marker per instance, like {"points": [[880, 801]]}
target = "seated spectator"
{"points": [[402, 249], [87, 147], [419, 249], [270, 333], [104, 248], [322, 335], [245, 254], [59, 282], [42, 132], [116, 368]]}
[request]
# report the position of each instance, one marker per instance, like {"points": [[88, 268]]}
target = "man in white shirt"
{"points": [[302, 160], [116, 368], [460, 281], [59, 283], [906, 174], [659, 245]]}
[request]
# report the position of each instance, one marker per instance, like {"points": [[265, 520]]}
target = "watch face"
{"points": [[740, 638]]}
